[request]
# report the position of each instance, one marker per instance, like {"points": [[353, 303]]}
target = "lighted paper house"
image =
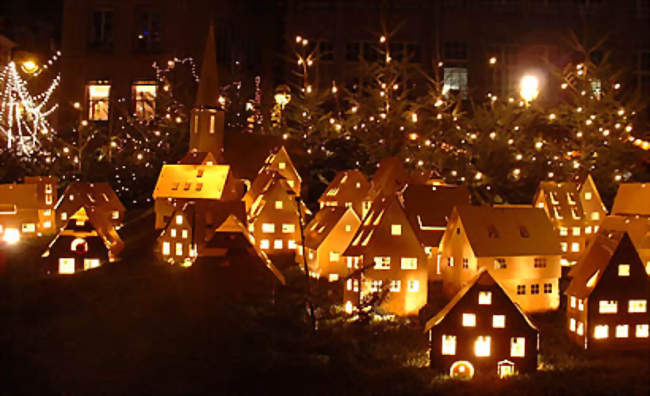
{"points": [[100, 196], [516, 244], [481, 330], [637, 228], [327, 235], [279, 161], [575, 210], [386, 253], [608, 296], [239, 266], [198, 158], [390, 177], [273, 215], [632, 199], [27, 209], [347, 189], [87, 241], [429, 207]]}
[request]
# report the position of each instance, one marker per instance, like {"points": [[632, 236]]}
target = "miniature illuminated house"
{"points": [[27, 209], [637, 228], [517, 245], [273, 216], [100, 196], [348, 189], [575, 212], [390, 177], [429, 207], [608, 296], [386, 253], [327, 235], [482, 330], [279, 161], [632, 199], [87, 241], [239, 265]]}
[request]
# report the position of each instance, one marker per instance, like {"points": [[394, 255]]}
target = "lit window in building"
{"points": [[144, 100], [572, 324], [66, 266], [587, 196], [455, 81], [572, 301], [409, 263], [290, 183], [29, 227], [469, 320], [601, 331], [264, 244], [291, 244], [595, 216], [448, 345], [348, 228], [334, 257], [179, 219], [282, 165], [382, 262], [172, 232], [184, 234], [580, 329], [576, 231], [375, 285], [279, 204], [46, 224], [588, 230], [413, 285], [166, 249], [90, 264], [517, 347], [499, 321], [396, 229], [277, 244], [581, 305], [622, 331], [624, 270], [641, 331], [564, 231], [288, 228], [575, 246], [268, 227], [607, 306], [564, 246], [395, 285], [98, 97], [179, 249], [485, 298], [482, 346], [115, 215], [637, 306], [333, 277], [521, 290]]}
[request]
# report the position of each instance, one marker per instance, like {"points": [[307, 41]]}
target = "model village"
{"points": [[396, 236]]}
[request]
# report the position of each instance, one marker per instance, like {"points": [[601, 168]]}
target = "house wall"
{"points": [[337, 241], [62, 249], [186, 242], [270, 215], [455, 245]]}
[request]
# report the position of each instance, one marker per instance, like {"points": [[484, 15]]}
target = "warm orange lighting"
{"points": [[529, 88], [11, 236], [29, 67]]}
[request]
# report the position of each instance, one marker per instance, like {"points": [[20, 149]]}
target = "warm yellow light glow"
{"points": [[498, 321], [29, 66], [518, 347], [448, 345], [529, 88], [637, 306], [11, 236], [461, 369], [482, 346], [485, 298], [493, 60], [607, 306], [622, 331], [469, 320], [601, 332]]}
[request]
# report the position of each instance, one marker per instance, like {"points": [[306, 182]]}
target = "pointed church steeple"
{"points": [[207, 119]]}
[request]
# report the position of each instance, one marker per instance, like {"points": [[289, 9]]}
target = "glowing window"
{"points": [[98, 97], [29, 227], [624, 270], [573, 301], [564, 231], [622, 331], [482, 346], [595, 216], [485, 298], [641, 331], [144, 100], [500, 263], [448, 345], [348, 228], [517, 347], [268, 227], [66, 266], [264, 244], [575, 247], [413, 285], [409, 263], [587, 196], [79, 246], [184, 234], [46, 224], [396, 229], [564, 246], [279, 204], [375, 285], [179, 249], [166, 249], [291, 244], [469, 320], [572, 324], [588, 230], [382, 262], [290, 183], [334, 257], [581, 305], [172, 232], [521, 290], [282, 165], [607, 306], [333, 277], [601, 331], [637, 306], [288, 228], [115, 215], [499, 321], [395, 285], [580, 329], [90, 264], [179, 219], [576, 231], [277, 244]]}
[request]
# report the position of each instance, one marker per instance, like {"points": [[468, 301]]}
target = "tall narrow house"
{"points": [[347, 189]]}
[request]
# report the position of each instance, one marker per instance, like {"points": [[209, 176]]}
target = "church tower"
{"points": [[206, 118]]}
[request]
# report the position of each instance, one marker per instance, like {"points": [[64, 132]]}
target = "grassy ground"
{"points": [[138, 327]]}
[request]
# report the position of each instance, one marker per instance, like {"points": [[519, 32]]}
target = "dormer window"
{"points": [[282, 165], [485, 298], [175, 186], [199, 186], [571, 198], [396, 229], [624, 270], [199, 173], [179, 219], [554, 198], [187, 186], [500, 263], [557, 213]]}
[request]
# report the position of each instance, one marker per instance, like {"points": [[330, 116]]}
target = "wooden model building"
{"points": [[575, 212], [27, 209], [327, 235], [100, 196], [348, 189], [87, 241], [391, 176], [482, 330], [385, 253], [632, 199], [517, 245], [429, 207], [637, 228], [608, 296]]}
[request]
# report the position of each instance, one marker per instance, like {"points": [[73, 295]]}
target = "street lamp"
{"points": [[29, 66], [282, 98], [529, 88]]}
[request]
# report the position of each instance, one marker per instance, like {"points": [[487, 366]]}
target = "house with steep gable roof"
{"points": [[637, 228], [347, 189], [517, 245], [98, 195], [481, 330], [608, 296], [632, 199]]}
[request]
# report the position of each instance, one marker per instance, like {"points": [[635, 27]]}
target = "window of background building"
{"points": [[455, 50], [455, 81], [144, 99], [98, 98], [147, 30], [101, 29], [325, 51], [352, 51]]}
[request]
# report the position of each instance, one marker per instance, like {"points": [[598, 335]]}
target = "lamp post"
{"points": [[282, 98], [29, 66], [529, 88]]}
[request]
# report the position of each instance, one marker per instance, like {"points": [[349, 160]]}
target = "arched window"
{"points": [[79, 246]]}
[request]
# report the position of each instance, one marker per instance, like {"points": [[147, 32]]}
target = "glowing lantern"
{"points": [[529, 88], [462, 370]]}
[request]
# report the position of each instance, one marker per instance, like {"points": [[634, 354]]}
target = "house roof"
{"points": [[247, 153], [208, 91], [102, 225], [429, 207], [191, 181], [97, 195], [592, 264], [637, 227], [632, 198], [508, 231], [343, 188], [322, 224], [198, 158], [390, 177], [567, 197], [272, 180], [482, 278]]}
